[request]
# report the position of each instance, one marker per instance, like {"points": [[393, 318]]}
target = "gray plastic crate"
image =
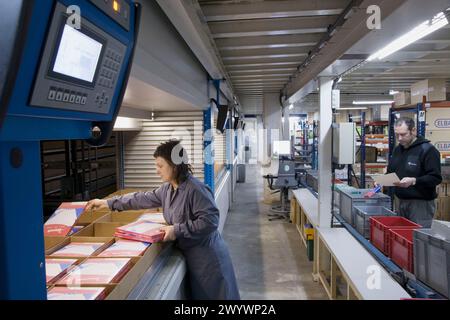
{"points": [[348, 199], [432, 260], [362, 215]]}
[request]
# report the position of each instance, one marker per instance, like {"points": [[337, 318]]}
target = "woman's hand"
{"points": [[169, 233], [96, 204]]}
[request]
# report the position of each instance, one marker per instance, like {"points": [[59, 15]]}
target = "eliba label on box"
{"points": [[442, 123]]}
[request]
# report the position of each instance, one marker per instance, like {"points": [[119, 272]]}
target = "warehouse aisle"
{"points": [[269, 259]]}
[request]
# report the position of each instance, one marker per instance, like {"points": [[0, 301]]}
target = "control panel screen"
{"points": [[77, 55]]}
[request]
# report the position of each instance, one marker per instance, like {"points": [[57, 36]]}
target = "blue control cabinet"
{"points": [[63, 76]]}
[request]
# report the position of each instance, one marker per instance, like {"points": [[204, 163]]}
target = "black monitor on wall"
{"points": [[222, 116]]}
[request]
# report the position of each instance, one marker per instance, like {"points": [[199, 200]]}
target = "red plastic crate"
{"points": [[401, 246], [379, 230]]}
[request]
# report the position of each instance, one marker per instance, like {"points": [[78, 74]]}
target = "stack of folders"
{"points": [[63, 219], [76, 293], [94, 271], [56, 268], [125, 248], [141, 230], [78, 249]]}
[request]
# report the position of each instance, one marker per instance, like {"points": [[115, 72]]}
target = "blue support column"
{"points": [[208, 148], [363, 150], [349, 166], [22, 260], [420, 120], [228, 142]]}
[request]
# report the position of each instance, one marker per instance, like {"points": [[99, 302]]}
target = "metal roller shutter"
{"points": [[138, 162]]}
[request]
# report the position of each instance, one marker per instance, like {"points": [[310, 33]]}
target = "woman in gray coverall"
{"points": [[191, 212]]}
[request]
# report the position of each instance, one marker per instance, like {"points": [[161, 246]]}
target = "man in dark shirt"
{"points": [[417, 164]]}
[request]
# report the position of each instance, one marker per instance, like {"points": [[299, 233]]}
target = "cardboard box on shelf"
{"points": [[433, 89], [437, 119], [52, 241], [121, 192], [402, 98], [442, 190], [122, 216], [442, 209], [369, 182], [104, 241], [124, 287], [91, 216], [440, 139], [100, 229]]}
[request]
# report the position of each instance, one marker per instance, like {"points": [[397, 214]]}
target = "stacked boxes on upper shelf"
{"points": [[438, 129]]}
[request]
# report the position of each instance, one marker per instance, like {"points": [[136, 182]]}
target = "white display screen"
{"points": [[78, 55], [281, 148]]}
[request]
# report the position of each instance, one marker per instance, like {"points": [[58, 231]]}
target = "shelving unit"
{"points": [[305, 144]]}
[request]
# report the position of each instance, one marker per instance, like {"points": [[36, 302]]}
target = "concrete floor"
{"points": [[268, 256]]}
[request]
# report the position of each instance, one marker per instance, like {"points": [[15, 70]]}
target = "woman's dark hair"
{"points": [[176, 156]]}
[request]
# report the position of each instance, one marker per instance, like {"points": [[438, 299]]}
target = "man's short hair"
{"points": [[405, 120]]}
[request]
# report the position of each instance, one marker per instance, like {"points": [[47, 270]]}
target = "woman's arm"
{"points": [[137, 200]]}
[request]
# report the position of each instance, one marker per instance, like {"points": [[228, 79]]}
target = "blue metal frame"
{"points": [[362, 183], [22, 260], [208, 148]]}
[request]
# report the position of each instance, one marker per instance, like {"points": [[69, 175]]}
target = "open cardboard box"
{"points": [[121, 193], [108, 288], [91, 216], [106, 242], [132, 277], [63, 273], [100, 229], [139, 265], [124, 217], [52, 241]]}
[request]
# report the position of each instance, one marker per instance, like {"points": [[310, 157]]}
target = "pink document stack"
{"points": [[141, 230], [125, 248], [78, 249], [76, 293], [56, 268], [63, 219], [97, 271]]}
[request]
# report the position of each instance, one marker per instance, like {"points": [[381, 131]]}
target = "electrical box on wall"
{"points": [[335, 98], [344, 141]]}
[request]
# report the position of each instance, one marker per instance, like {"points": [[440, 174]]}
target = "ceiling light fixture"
{"points": [[415, 34], [372, 102], [360, 108]]}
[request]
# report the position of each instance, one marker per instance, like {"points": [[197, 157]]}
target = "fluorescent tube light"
{"points": [[415, 34], [361, 108], [373, 102], [392, 92]]}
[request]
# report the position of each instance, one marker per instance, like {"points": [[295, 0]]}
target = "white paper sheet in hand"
{"points": [[387, 180]]}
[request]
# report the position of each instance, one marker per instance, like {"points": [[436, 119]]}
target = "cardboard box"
{"points": [[440, 139], [402, 98], [121, 193], [88, 217], [100, 229], [123, 216], [433, 89], [52, 241], [380, 113], [106, 242], [370, 183], [442, 209], [442, 190], [129, 281], [437, 119]]}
